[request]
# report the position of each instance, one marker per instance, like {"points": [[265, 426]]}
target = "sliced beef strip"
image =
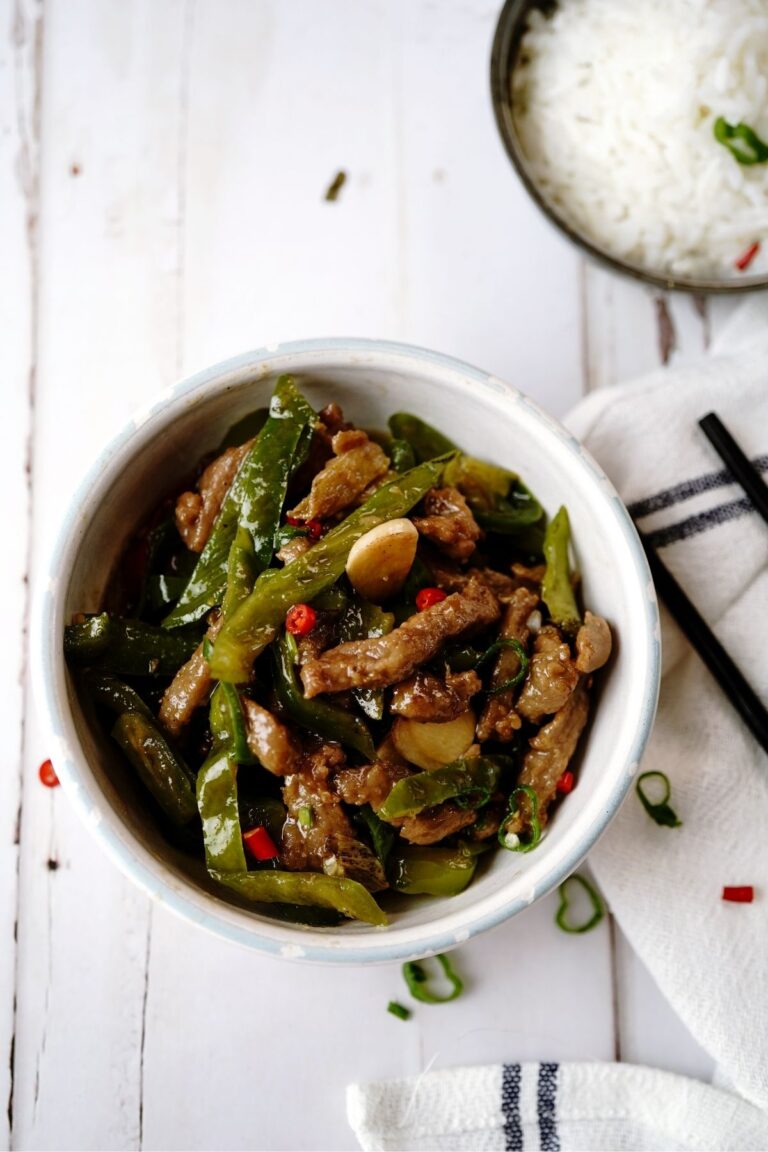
{"points": [[190, 687], [531, 575], [499, 720], [593, 643], [369, 784], [197, 511], [384, 660], [271, 742], [329, 844], [549, 753], [357, 463], [448, 523], [451, 578], [435, 824], [551, 678], [424, 696], [293, 549]]}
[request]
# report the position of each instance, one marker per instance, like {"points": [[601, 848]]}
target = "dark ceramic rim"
{"points": [[506, 41]]}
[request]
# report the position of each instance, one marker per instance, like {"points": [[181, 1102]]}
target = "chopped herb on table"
{"points": [[659, 810], [562, 918], [417, 979]]}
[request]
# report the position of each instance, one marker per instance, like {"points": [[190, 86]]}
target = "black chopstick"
{"points": [[709, 648], [736, 462]]}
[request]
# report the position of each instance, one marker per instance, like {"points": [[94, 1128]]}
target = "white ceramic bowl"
{"points": [[370, 379]]}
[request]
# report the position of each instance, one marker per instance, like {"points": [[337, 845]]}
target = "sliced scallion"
{"points": [[511, 840], [519, 676], [417, 980], [399, 1010], [658, 810], [742, 142], [598, 909]]}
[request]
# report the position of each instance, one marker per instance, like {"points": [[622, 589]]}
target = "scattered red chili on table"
{"points": [[428, 597], [747, 257], [300, 620], [259, 843], [740, 894], [566, 782], [47, 774]]}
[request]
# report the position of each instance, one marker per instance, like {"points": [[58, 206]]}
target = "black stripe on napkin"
{"points": [[696, 524], [687, 489], [510, 1106], [546, 1097]]}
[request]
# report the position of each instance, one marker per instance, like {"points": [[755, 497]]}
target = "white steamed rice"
{"points": [[615, 102]]}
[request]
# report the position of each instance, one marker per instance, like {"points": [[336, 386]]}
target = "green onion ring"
{"points": [[742, 142], [660, 810], [519, 676], [598, 909], [514, 808], [416, 978]]}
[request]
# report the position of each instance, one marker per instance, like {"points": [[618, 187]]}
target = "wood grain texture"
{"points": [[20, 77], [185, 150]]}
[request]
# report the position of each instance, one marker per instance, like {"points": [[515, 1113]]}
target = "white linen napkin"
{"points": [[709, 957]]}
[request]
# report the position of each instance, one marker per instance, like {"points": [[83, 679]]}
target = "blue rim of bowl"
{"points": [[171, 893]]}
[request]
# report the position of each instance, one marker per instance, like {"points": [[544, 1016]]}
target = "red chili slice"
{"points": [[747, 257], [260, 844], [566, 782], [428, 597], [314, 528], [47, 774], [740, 894], [300, 620]]}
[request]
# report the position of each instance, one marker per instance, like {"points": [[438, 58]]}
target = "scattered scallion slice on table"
{"points": [[417, 979], [598, 909]]}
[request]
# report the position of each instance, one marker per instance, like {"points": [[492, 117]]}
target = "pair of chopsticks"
{"points": [[709, 648]]}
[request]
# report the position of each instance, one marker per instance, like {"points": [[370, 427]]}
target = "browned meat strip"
{"points": [[551, 677], [196, 511], [357, 462], [549, 753], [449, 523], [190, 687], [533, 575], [452, 579], [294, 548], [269, 740], [317, 834], [593, 643], [499, 720], [436, 823], [385, 660], [427, 697], [488, 819], [321, 637], [370, 784]]}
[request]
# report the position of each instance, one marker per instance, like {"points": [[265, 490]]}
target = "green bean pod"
{"points": [[471, 781], [254, 502], [556, 587], [128, 647], [161, 770], [248, 631], [306, 888]]}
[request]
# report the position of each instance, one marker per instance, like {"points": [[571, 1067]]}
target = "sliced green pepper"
{"points": [[163, 773], [470, 781], [242, 570], [254, 502], [128, 647], [511, 516], [382, 835], [306, 888], [328, 720], [418, 871], [245, 429], [254, 624], [401, 455], [482, 483], [556, 587]]}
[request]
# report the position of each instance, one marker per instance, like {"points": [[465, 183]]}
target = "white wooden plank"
{"points": [[20, 41], [259, 1053], [107, 341]]}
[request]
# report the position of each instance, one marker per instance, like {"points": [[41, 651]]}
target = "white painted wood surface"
{"points": [[163, 165]]}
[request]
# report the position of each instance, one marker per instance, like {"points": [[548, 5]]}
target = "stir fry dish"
{"points": [[343, 662]]}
